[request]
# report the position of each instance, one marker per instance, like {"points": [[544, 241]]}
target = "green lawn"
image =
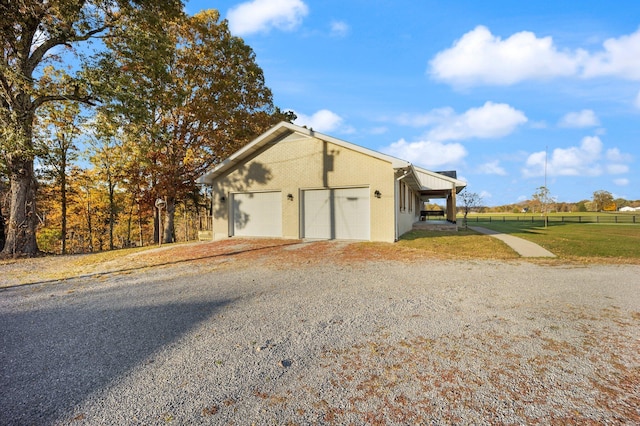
{"points": [[581, 217], [577, 240], [464, 244]]}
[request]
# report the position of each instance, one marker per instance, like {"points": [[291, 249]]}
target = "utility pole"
{"points": [[546, 217]]}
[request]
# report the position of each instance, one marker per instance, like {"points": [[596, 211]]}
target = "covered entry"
{"points": [[337, 213], [256, 214]]}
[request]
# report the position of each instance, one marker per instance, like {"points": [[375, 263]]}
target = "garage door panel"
{"points": [[337, 214], [257, 214], [352, 213], [316, 215]]}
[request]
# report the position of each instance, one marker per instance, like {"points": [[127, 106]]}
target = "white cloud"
{"points": [[339, 29], [621, 182], [584, 118], [321, 121], [492, 168], [620, 58], [584, 160], [574, 161], [617, 160], [617, 169], [615, 155], [481, 58], [262, 15], [486, 122], [429, 154]]}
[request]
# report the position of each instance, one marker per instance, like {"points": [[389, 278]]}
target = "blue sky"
{"points": [[488, 88]]}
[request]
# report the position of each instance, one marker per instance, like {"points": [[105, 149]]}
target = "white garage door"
{"points": [[336, 214], [256, 214]]}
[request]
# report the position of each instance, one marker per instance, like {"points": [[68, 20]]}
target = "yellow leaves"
{"points": [[190, 157], [206, 16]]}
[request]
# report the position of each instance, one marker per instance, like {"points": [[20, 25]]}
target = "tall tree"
{"points": [[470, 201], [106, 154], [191, 96], [33, 33], [542, 197], [60, 126], [602, 199]]}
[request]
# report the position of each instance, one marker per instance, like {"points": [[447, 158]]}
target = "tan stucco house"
{"points": [[293, 182]]}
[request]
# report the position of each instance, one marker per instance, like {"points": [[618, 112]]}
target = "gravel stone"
{"points": [[478, 342]]}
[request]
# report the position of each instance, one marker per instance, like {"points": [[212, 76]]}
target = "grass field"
{"points": [[582, 217], [464, 244], [573, 242], [586, 241]]}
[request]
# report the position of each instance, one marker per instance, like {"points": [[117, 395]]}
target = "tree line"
{"points": [[107, 106], [543, 202]]}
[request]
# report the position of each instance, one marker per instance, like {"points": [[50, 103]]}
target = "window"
{"points": [[410, 201]]}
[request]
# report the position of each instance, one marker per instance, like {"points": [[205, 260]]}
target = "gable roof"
{"points": [[420, 179]]}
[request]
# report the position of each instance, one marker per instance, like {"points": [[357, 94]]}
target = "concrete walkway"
{"points": [[523, 247]]}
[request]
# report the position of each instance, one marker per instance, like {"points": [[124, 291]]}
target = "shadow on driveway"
{"points": [[54, 357]]}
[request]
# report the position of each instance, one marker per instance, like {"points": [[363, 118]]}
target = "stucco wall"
{"points": [[301, 162]]}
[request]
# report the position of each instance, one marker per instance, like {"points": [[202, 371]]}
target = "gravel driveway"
{"points": [[327, 342]]}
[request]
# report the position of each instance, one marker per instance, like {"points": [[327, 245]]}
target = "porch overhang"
{"points": [[434, 185]]}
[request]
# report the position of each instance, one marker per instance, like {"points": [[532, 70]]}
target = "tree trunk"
{"points": [[127, 242], [112, 211], [63, 202], [156, 226], [89, 227], [140, 236], [169, 221], [186, 222], [1, 229], [21, 232]]}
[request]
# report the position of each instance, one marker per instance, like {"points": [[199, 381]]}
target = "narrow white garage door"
{"points": [[336, 214], [256, 214]]}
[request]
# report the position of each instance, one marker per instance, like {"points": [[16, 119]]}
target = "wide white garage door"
{"points": [[256, 214], [336, 214]]}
